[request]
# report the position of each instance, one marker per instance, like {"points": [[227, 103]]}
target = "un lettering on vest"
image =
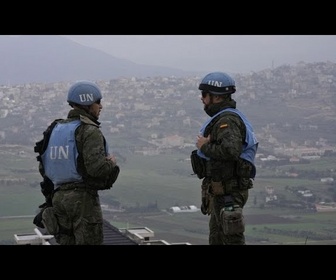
{"points": [[59, 152]]}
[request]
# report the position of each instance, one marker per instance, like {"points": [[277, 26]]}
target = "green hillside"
{"points": [[165, 181]]}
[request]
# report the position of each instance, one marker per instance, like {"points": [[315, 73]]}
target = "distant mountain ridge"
{"points": [[53, 58]]}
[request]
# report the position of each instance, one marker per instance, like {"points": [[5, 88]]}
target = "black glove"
{"points": [[44, 205], [204, 207], [206, 197], [38, 219]]}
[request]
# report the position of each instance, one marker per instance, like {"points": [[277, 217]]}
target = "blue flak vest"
{"points": [[250, 146], [60, 158]]}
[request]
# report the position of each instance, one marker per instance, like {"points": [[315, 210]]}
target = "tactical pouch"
{"points": [[47, 186], [245, 183], [217, 188], [50, 221], [37, 221], [198, 164], [232, 220], [115, 174], [244, 168]]}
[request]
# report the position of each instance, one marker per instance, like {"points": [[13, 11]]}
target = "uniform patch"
{"points": [[224, 125]]}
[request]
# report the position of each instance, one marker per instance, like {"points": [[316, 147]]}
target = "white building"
{"points": [[183, 209]]}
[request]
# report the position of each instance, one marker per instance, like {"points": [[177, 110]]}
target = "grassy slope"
{"points": [[164, 180]]}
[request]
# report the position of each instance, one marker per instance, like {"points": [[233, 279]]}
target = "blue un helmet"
{"points": [[218, 83], [84, 93]]}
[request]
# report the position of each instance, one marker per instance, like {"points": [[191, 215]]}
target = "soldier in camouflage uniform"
{"points": [[76, 165], [228, 146]]}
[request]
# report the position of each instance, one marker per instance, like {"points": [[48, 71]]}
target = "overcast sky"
{"points": [[228, 53]]}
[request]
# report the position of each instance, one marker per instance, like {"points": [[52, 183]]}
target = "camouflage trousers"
{"points": [[79, 217], [216, 233]]}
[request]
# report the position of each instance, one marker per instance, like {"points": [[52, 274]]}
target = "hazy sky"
{"points": [[228, 53]]}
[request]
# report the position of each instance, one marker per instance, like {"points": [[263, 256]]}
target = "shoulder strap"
{"points": [[214, 120], [41, 145]]}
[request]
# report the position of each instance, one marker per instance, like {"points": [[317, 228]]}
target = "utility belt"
{"points": [[70, 186], [220, 171], [204, 168], [226, 187], [223, 188], [77, 186]]}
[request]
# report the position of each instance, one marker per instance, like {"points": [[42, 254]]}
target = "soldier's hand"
{"points": [[201, 140], [206, 206], [113, 159]]}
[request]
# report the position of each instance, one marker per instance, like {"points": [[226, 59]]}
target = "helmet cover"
{"points": [[218, 83], [84, 93]]}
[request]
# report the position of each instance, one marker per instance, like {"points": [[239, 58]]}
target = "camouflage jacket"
{"points": [[227, 135]]}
